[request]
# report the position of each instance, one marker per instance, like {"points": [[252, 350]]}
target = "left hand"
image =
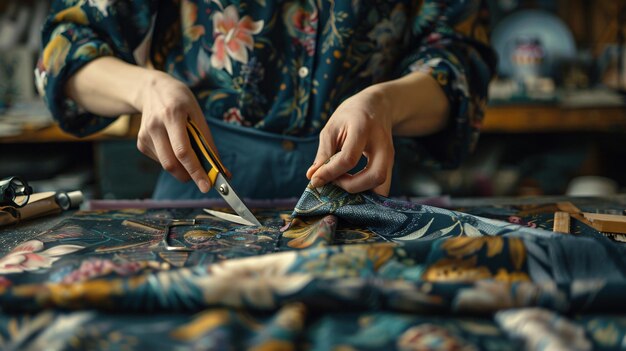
{"points": [[361, 125]]}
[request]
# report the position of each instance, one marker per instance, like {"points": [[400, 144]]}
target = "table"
{"points": [[99, 280]]}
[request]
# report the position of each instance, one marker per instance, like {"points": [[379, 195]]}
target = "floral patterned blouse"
{"points": [[276, 65]]}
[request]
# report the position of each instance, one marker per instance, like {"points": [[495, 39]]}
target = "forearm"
{"points": [[416, 104], [109, 86]]}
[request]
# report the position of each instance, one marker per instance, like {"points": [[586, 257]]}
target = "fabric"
{"points": [[335, 277], [277, 66]]}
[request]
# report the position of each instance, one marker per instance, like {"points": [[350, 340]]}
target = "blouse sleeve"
{"points": [[78, 32], [462, 64]]}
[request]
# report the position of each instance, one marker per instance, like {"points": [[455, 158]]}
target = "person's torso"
{"points": [[279, 66]]}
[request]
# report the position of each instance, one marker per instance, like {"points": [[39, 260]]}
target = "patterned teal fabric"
{"points": [[103, 280], [398, 219], [275, 65]]}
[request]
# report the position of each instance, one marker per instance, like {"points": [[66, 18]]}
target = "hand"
{"points": [[166, 103], [361, 125]]}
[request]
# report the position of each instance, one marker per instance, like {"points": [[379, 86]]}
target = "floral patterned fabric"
{"points": [[337, 276], [275, 65]]}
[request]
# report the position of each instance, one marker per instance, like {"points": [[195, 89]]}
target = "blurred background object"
{"points": [[32, 145], [557, 109], [592, 186]]}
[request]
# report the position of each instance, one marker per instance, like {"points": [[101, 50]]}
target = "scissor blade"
{"points": [[222, 186], [228, 217]]}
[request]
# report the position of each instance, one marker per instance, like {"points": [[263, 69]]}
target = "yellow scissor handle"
{"points": [[206, 155]]}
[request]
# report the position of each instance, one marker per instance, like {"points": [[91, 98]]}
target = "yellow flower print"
{"points": [[457, 270], [201, 324], [460, 270], [91, 50], [191, 30], [352, 235], [464, 246], [55, 53], [73, 14], [91, 293], [380, 254], [517, 250], [511, 277], [274, 345]]}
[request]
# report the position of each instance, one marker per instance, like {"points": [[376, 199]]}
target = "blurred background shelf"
{"points": [[498, 119], [126, 127], [545, 119]]}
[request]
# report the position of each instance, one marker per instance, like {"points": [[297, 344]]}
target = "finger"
{"points": [[384, 188], [325, 151], [183, 152], [197, 116], [144, 141], [340, 163], [154, 143], [168, 160], [146, 147], [375, 176]]}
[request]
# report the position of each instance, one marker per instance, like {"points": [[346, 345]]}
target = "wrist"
{"points": [[381, 103], [415, 103], [148, 80]]}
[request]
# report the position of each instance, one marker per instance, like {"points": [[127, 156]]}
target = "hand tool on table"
{"points": [[168, 229], [604, 223], [18, 202], [14, 192], [218, 175], [162, 230]]}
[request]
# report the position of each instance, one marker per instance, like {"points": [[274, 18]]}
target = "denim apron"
{"points": [[263, 165], [269, 166]]}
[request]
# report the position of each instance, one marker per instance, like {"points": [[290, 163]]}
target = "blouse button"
{"points": [[303, 72], [288, 145]]}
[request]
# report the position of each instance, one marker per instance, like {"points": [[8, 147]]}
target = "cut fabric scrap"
{"points": [[315, 232]]}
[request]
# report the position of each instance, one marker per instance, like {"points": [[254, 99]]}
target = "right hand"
{"points": [[166, 103]]}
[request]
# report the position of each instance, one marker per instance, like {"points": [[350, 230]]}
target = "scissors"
{"points": [[218, 175]]}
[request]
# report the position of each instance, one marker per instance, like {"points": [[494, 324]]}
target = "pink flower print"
{"points": [[434, 38], [520, 221], [303, 21], [233, 115], [26, 258], [515, 220], [232, 38], [304, 27], [98, 267]]}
